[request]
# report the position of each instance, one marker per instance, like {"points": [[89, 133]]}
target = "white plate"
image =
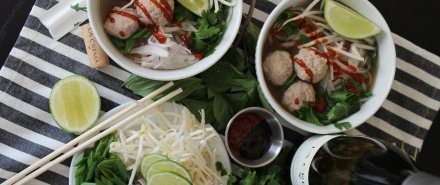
{"points": [[221, 154]]}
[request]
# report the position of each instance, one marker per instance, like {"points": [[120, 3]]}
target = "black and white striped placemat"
{"points": [[28, 132]]}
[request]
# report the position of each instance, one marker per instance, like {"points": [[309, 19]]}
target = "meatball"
{"points": [[278, 67], [121, 23], [155, 12], [310, 66], [298, 93]]}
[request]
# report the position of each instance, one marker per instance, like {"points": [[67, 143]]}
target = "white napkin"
{"points": [[64, 17]]}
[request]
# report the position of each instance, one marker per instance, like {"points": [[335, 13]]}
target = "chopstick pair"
{"points": [[46, 163]]}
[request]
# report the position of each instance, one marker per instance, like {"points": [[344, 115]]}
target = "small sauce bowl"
{"points": [[254, 137]]}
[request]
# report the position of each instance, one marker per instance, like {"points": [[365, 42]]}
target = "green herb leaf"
{"points": [[340, 95], [251, 36], [222, 110], [206, 31], [311, 118], [182, 14], [249, 177], [118, 42], [338, 111], [219, 167], [304, 39], [289, 82], [231, 179], [290, 28], [129, 45], [343, 125]]}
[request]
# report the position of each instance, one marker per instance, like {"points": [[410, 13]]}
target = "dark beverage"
{"points": [[345, 160]]}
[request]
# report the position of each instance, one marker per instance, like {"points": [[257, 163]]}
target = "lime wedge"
{"points": [[167, 178], [74, 104], [148, 160], [195, 6], [167, 166], [348, 23]]}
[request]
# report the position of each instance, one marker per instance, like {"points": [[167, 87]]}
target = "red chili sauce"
{"points": [[250, 136]]}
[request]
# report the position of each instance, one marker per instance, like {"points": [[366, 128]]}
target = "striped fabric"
{"points": [[37, 62]]}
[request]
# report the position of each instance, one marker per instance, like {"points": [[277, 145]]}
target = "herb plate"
{"points": [[221, 153]]}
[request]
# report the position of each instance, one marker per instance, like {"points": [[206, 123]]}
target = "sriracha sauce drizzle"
{"points": [[305, 67]]}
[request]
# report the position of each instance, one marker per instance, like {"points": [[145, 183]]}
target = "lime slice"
{"points": [[75, 104], [148, 160], [195, 6], [348, 23], [167, 166], [167, 178]]}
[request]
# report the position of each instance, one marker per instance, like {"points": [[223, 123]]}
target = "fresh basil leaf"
{"points": [[239, 100], [195, 105], [219, 77], [222, 111], [263, 100], [235, 58], [142, 86], [251, 36]]}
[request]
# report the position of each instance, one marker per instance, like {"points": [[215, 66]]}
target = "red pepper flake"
{"points": [[296, 101], [122, 34], [112, 20], [198, 55]]}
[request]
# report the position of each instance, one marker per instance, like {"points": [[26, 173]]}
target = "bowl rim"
{"points": [[233, 26], [363, 114]]}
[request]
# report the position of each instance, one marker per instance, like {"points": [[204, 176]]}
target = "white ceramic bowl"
{"points": [[97, 11], [385, 69]]}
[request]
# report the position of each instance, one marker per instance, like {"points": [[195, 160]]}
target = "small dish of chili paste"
{"points": [[254, 137]]}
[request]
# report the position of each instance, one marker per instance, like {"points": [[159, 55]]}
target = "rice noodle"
{"points": [[300, 16], [184, 26], [168, 55], [328, 39], [347, 54]]}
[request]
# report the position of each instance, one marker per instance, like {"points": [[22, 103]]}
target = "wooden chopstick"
{"points": [[87, 134], [106, 132]]}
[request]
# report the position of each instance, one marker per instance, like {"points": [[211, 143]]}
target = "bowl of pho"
{"points": [[325, 66], [165, 39]]}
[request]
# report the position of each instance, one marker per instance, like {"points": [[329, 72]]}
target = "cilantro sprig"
{"points": [[210, 29]]}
